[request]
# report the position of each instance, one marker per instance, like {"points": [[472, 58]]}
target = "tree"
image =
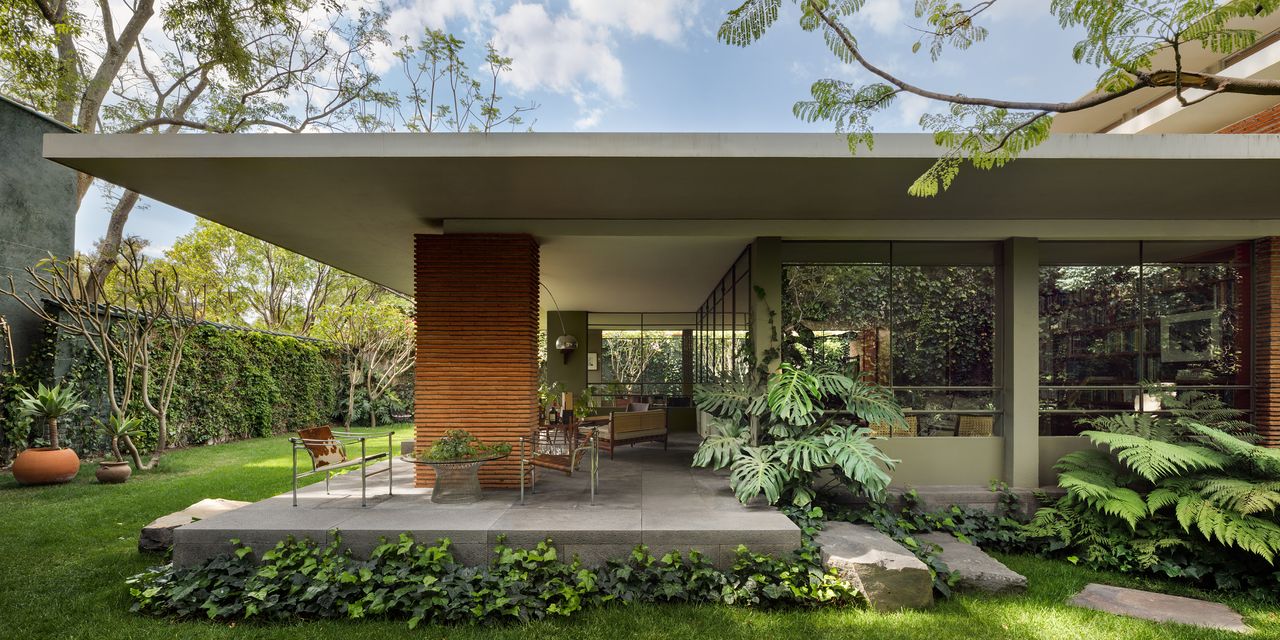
{"points": [[222, 66], [264, 285], [1136, 44], [376, 335], [136, 325]]}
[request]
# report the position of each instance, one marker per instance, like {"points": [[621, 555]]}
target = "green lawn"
{"points": [[65, 552]]}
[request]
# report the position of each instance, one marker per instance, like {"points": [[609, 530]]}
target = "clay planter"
{"points": [[45, 465], [111, 472]]}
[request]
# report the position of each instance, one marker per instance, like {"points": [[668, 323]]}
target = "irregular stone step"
{"points": [[158, 535], [978, 571], [1159, 607], [890, 576]]}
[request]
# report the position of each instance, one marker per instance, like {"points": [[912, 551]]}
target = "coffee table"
{"points": [[457, 481]]}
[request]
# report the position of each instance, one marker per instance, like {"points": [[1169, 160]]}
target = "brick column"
{"points": [[1266, 366], [477, 361]]}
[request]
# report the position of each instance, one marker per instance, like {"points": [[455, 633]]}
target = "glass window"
{"points": [[918, 317], [1114, 316], [722, 338]]}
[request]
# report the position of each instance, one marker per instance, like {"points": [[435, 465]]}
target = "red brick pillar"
{"points": [[477, 360], [1266, 365]]}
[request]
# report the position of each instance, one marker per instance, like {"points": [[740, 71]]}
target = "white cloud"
{"points": [[409, 18], [563, 54], [911, 107], [883, 16], [664, 20]]}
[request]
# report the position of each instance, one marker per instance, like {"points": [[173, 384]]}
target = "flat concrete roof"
{"points": [[650, 221]]}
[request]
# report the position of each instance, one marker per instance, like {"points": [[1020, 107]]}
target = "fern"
{"points": [[1240, 495], [1153, 459], [1246, 532], [1262, 460]]}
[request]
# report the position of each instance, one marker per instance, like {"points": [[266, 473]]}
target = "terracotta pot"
{"points": [[45, 465], [111, 472]]}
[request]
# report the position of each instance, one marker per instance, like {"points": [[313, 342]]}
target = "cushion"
{"points": [[638, 406], [322, 454]]}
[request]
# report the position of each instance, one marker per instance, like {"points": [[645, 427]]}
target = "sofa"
{"points": [[630, 427]]}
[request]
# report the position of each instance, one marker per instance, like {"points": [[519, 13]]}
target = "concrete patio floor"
{"points": [[645, 496]]}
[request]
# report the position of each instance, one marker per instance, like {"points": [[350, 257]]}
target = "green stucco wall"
{"points": [[37, 210]]}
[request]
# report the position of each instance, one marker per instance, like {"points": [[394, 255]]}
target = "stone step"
{"points": [[890, 576], [158, 535], [1159, 607], [978, 571]]}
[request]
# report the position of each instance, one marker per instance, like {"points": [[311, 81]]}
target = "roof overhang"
{"points": [[649, 222]]}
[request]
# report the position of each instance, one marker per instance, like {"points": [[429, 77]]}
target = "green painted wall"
{"points": [[571, 374], [37, 211], [926, 461]]}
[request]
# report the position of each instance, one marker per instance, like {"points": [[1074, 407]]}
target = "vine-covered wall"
{"points": [[232, 384]]}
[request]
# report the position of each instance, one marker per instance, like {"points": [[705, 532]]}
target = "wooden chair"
{"points": [[561, 448], [328, 452], [881, 430], [975, 426]]}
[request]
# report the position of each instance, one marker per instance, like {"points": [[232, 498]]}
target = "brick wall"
{"points": [[1266, 122], [477, 361], [1267, 336]]}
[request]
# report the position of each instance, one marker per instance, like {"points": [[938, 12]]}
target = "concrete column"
{"points": [[1019, 361], [477, 342], [571, 373], [766, 301]]}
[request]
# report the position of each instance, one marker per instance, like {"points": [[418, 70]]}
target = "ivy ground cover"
{"points": [[66, 551]]}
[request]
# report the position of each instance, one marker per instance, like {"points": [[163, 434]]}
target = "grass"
{"points": [[65, 552]]}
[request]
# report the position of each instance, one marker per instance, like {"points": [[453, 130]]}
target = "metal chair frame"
{"points": [[583, 444], [341, 440]]}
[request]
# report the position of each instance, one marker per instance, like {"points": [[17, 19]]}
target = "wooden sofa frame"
{"points": [[624, 423]]}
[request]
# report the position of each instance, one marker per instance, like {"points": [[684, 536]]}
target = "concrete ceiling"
{"points": [[649, 222]]}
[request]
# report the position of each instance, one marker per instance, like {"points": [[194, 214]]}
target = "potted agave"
{"points": [[52, 464], [117, 430]]}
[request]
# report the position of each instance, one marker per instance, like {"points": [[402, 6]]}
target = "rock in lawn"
{"points": [[158, 536], [890, 576], [1159, 607], [978, 571]]}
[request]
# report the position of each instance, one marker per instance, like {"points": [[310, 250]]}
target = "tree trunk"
{"points": [[111, 240], [351, 399], [133, 452], [115, 448], [162, 441], [53, 433]]}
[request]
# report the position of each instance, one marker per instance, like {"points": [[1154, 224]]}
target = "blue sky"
{"points": [[655, 65]]}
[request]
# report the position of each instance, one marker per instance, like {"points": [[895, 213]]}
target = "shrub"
{"points": [[1182, 495], [424, 584], [812, 435]]}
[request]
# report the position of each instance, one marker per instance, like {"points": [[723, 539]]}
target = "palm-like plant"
{"points": [[1171, 480], [124, 430], [50, 404], [803, 432]]}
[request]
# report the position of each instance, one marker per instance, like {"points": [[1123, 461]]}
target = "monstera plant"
{"points": [[801, 433]]}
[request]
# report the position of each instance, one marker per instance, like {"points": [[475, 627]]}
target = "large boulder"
{"points": [[978, 571], [889, 575], [158, 536]]}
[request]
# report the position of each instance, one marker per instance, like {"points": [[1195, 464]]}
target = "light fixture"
{"points": [[565, 344]]}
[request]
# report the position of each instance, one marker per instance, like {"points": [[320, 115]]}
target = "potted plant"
{"points": [[117, 429], [52, 464]]}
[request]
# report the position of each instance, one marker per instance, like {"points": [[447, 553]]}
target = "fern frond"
{"points": [[1265, 461], [1153, 459], [1246, 532], [1241, 495]]}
